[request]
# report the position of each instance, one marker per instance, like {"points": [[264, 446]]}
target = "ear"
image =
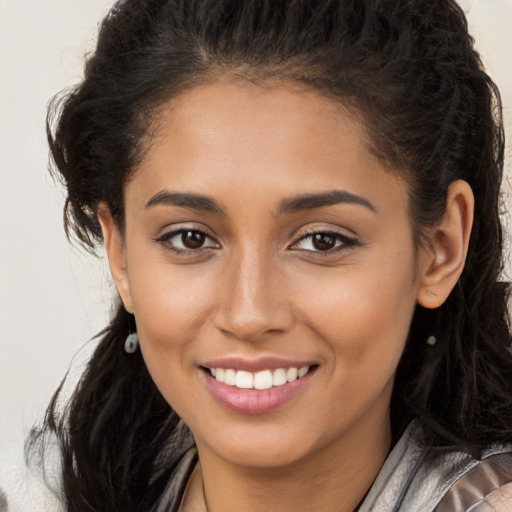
{"points": [[114, 246], [443, 260]]}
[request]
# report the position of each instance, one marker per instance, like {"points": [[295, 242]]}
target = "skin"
{"points": [[259, 287]]}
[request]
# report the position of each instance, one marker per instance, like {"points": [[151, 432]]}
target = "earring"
{"points": [[131, 343], [431, 340]]}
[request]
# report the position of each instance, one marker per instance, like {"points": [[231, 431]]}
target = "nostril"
{"points": [[246, 329], [250, 322]]}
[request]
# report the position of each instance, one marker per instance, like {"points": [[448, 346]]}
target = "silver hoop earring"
{"points": [[131, 343], [431, 340]]}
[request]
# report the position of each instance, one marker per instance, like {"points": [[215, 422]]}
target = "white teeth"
{"points": [[292, 374], [279, 377], [259, 380], [244, 380], [230, 377], [263, 380]]}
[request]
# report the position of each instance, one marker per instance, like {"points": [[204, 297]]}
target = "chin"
{"points": [[262, 446]]}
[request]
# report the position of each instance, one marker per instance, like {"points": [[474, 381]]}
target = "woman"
{"points": [[299, 203]]}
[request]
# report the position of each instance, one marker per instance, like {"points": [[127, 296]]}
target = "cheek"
{"points": [[172, 305], [362, 324], [363, 315], [168, 298]]}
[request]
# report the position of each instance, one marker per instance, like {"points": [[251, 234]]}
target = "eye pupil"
{"points": [[193, 239], [323, 241]]}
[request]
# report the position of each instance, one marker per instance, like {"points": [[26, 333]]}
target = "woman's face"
{"points": [[264, 241]]}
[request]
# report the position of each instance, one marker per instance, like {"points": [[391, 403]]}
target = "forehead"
{"points": [[245, 111], [227, 138]]}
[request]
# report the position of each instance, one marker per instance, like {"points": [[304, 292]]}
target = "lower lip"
{"points": [[255, 401]]}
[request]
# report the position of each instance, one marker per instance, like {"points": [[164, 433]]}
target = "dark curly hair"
{"points": [[409, 69]]}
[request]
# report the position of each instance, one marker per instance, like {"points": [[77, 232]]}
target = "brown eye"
{"points": [[323, 241], [193, 239], [187, 241]]}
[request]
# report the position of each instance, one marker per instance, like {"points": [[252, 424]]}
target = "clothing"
{"points": [[417, 479], [413, 479]]}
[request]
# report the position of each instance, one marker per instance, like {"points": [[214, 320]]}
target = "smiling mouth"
{"points": [[264, 379]]}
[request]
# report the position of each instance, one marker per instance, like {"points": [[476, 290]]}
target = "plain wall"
{"points": [[52, 298]]}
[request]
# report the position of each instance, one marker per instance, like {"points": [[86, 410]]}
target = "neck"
{"points": [[336, 478]]}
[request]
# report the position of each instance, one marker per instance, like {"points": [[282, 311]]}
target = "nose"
{"points": [[253, 300]]}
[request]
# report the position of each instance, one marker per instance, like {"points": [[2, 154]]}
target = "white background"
{"points": [[52, 298]]}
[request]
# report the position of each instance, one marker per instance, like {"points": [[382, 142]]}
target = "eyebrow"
{"points": [[292, 205], [185, 200], [329, 198]]}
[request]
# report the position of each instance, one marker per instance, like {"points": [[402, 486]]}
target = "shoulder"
{"points": [[416, 477], [499, 501], [486, 487]]}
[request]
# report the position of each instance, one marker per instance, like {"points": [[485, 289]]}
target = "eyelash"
{"points": [[166, 239], [345, 242]]}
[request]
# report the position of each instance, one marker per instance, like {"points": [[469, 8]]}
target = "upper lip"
{"points": [[255, 365]]}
